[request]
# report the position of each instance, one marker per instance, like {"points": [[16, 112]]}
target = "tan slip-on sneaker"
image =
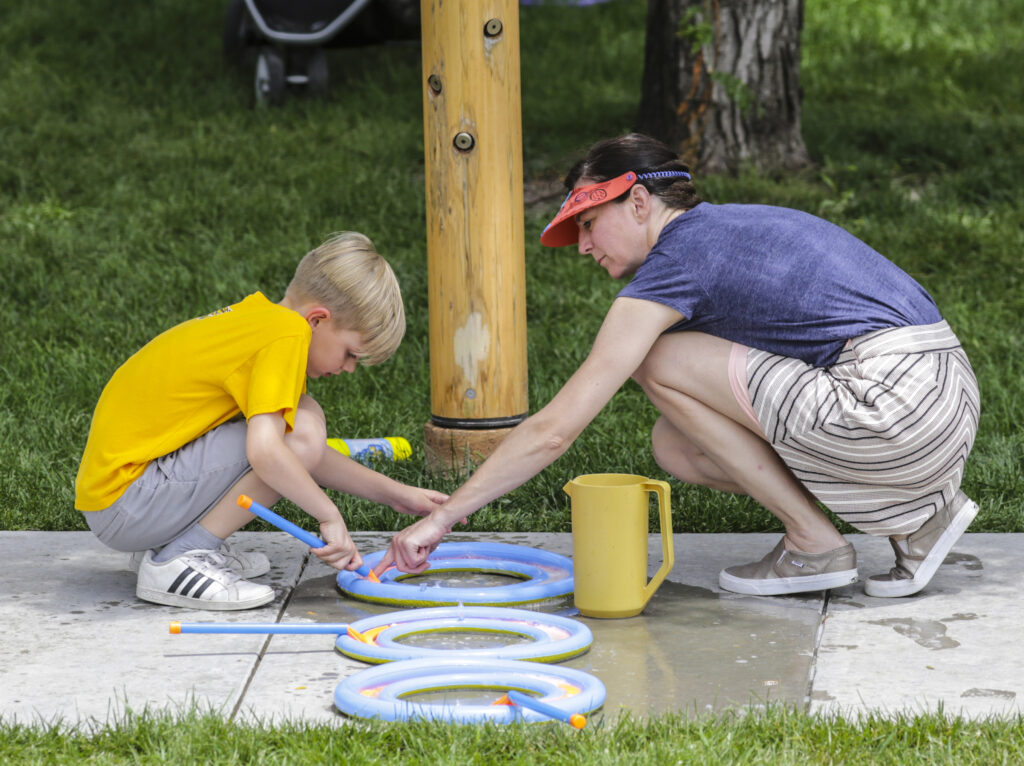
{"points": [[782, 572], [920, 554]]}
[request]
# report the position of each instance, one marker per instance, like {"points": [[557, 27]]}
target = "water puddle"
{"points": [[692, 649], [696, 650]]}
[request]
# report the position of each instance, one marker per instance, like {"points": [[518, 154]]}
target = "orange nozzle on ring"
{"points": [[245, 501], [356, 635], [577, 720], [175, 627], [372, 576]]}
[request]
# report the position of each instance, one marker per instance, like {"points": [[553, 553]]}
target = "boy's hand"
{"points": [[417, 501], [340, 552], [410, 547]]}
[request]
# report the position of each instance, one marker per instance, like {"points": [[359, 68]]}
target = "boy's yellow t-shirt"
{"points": [[247, 358]]}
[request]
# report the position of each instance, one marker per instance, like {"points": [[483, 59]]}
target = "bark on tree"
{"points": [[722, 82]]}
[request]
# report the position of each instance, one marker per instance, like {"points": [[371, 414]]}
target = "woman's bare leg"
{"points": [[704, 437], [686, 461]]}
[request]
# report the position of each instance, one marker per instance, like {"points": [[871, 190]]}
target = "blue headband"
{"points": [[664, 174]]}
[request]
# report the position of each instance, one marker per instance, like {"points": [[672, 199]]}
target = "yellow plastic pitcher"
{"points": [[609, 542]]}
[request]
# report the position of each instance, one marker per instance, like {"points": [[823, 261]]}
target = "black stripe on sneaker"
{"points": [[202, 588], [180, 579], [199, 578]]}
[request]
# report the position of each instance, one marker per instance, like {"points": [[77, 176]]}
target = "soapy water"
{"points": [[456, 697], [462, 639], [460, 579]]}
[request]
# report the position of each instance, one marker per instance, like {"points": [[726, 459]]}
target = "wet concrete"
{"points": [[77, 646], [956, 645], [692, 650]]}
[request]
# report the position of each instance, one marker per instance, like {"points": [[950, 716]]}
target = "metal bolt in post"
{"points": [[493, 28], [464, 141]]}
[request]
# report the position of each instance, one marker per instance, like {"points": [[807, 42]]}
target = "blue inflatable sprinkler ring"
{"points": [[387, 692], [544, 575], [552, 638]]}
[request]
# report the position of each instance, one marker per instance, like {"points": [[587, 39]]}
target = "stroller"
{"points": [[289, 37]]}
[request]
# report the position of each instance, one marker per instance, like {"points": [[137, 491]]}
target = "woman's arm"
{"points": [[627, 334]]}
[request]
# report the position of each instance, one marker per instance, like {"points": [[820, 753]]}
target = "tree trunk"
{"points": [[722, 82]]}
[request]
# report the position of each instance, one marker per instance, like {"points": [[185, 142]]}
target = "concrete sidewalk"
{"points": [[78, 647]]}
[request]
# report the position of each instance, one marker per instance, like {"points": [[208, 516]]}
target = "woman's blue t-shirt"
{"points": [[776, 279]]}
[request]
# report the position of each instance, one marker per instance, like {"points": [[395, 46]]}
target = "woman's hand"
{"points": [[410, 547], [340, 551]]}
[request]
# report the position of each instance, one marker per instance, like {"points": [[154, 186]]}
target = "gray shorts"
{"points": [[174, 492]]}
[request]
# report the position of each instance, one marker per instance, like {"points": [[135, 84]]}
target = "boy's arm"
{"points": [[342, 473], [280, 469]]}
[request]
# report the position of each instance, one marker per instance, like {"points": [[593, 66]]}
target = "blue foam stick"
{"points": [[286, 526], [544, 708], [333, 628]]}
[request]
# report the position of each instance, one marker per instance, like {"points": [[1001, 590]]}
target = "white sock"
{"points": [[197, 538]]}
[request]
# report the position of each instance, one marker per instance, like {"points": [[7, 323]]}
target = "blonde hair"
{"points": [[349, 277]]}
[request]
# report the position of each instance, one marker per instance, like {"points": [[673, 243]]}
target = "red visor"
{"points": [[563, 229]]}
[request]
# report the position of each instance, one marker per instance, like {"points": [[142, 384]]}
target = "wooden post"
{"points": [[475, 250]]}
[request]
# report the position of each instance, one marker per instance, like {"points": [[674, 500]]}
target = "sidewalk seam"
{"points": [[812, 669], [266, 643]]}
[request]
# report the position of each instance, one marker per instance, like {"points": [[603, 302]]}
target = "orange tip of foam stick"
{"points": [[245, 501], [175, 627], [576, 720]]}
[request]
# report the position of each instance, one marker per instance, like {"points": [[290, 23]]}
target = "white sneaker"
{"points": [[245, 564], [198, 580]]}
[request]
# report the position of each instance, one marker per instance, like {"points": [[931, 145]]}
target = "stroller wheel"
{"points": [[316, 72], [270, 81], [239, 32]]}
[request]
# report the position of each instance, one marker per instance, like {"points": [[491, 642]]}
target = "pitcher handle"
{"points": [[668, 552]]}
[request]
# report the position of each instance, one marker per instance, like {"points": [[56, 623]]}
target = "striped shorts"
{"points": [[880, 437]]}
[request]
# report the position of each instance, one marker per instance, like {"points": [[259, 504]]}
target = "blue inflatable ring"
{"points": [[544, 575], [555, 638], [380, 692]]}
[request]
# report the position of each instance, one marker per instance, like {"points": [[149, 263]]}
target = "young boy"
{"points": [[216, 407]]}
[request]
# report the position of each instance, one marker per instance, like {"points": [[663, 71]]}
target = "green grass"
{"points": [[138, 188], [777, 736]]}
